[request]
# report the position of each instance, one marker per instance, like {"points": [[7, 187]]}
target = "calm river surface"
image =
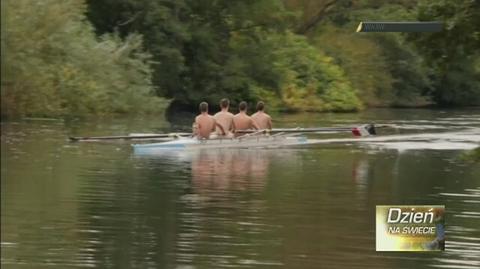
{"points": [[67, 205]]}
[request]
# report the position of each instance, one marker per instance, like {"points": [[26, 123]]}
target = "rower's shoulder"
{"points": [[241, 116], [220, 113], [261, 115], [199, 117]]}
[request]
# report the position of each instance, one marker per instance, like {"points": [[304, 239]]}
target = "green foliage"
{"points": [[360, 58], [189, 41], [241, 49], [453, 52], [298, 55], [312, 81], [410, 84], [53, 65], [384, 67], [389, 69], [285, 66], [205, 50]]}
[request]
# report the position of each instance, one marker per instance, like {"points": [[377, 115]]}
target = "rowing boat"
{"points": [[280, 137], [251, 139], [190, 143], [363, 130]]}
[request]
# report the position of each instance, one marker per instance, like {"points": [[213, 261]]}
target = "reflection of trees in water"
{"points": [[128, 213], [145, 212], [296, 208], [360, 174]]}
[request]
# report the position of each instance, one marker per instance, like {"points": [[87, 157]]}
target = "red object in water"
{"points": [[356, 132]]}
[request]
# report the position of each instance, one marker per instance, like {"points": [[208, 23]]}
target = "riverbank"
{"points": [[181, 113]]}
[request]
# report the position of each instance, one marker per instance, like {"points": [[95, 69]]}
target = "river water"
{"points": [[66, 205]]}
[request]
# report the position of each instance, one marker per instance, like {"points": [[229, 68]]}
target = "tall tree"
{"points": [[189, 39], [217, 45]]}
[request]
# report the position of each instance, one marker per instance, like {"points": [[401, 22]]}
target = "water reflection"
{"points": [[223, 220], [94, 205], [463, 248], [361, 173], [234, 170]]}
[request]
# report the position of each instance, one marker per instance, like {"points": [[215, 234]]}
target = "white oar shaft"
{"points": [[126, 137], [296, 130]]}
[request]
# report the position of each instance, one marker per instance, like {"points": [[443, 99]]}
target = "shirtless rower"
{"points": [[205, 124], [262, 119], [242, 121], [225, 118]]}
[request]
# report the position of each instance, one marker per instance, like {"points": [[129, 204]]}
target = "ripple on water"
{"points": [[98, 206]]}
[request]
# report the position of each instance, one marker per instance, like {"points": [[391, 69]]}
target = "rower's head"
{"points": [[224, 103], [260, 106], [203, 107], [242, 106]]}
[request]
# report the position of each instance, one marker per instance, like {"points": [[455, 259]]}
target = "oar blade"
{"points": [[364, 130]]}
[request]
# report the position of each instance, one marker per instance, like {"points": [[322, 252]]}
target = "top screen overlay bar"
{"points": [[429, 26]]}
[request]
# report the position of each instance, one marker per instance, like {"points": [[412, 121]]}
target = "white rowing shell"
{"points": [[193, 143]]}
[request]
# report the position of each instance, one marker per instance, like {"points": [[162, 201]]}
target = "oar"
{"points": [[368, 129], [125, 137]]}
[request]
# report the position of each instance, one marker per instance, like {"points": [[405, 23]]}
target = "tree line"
{"points": [[54, 65], [107, 56]]}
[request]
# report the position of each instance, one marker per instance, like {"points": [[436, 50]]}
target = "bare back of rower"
{"points": [[225, 118], [205, 125], [242, 121], [262, 119]]}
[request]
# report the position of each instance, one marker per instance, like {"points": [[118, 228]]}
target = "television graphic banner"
{"points": [[410, 228]]}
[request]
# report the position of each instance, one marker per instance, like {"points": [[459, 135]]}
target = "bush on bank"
{"points": [[53, 65]]}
